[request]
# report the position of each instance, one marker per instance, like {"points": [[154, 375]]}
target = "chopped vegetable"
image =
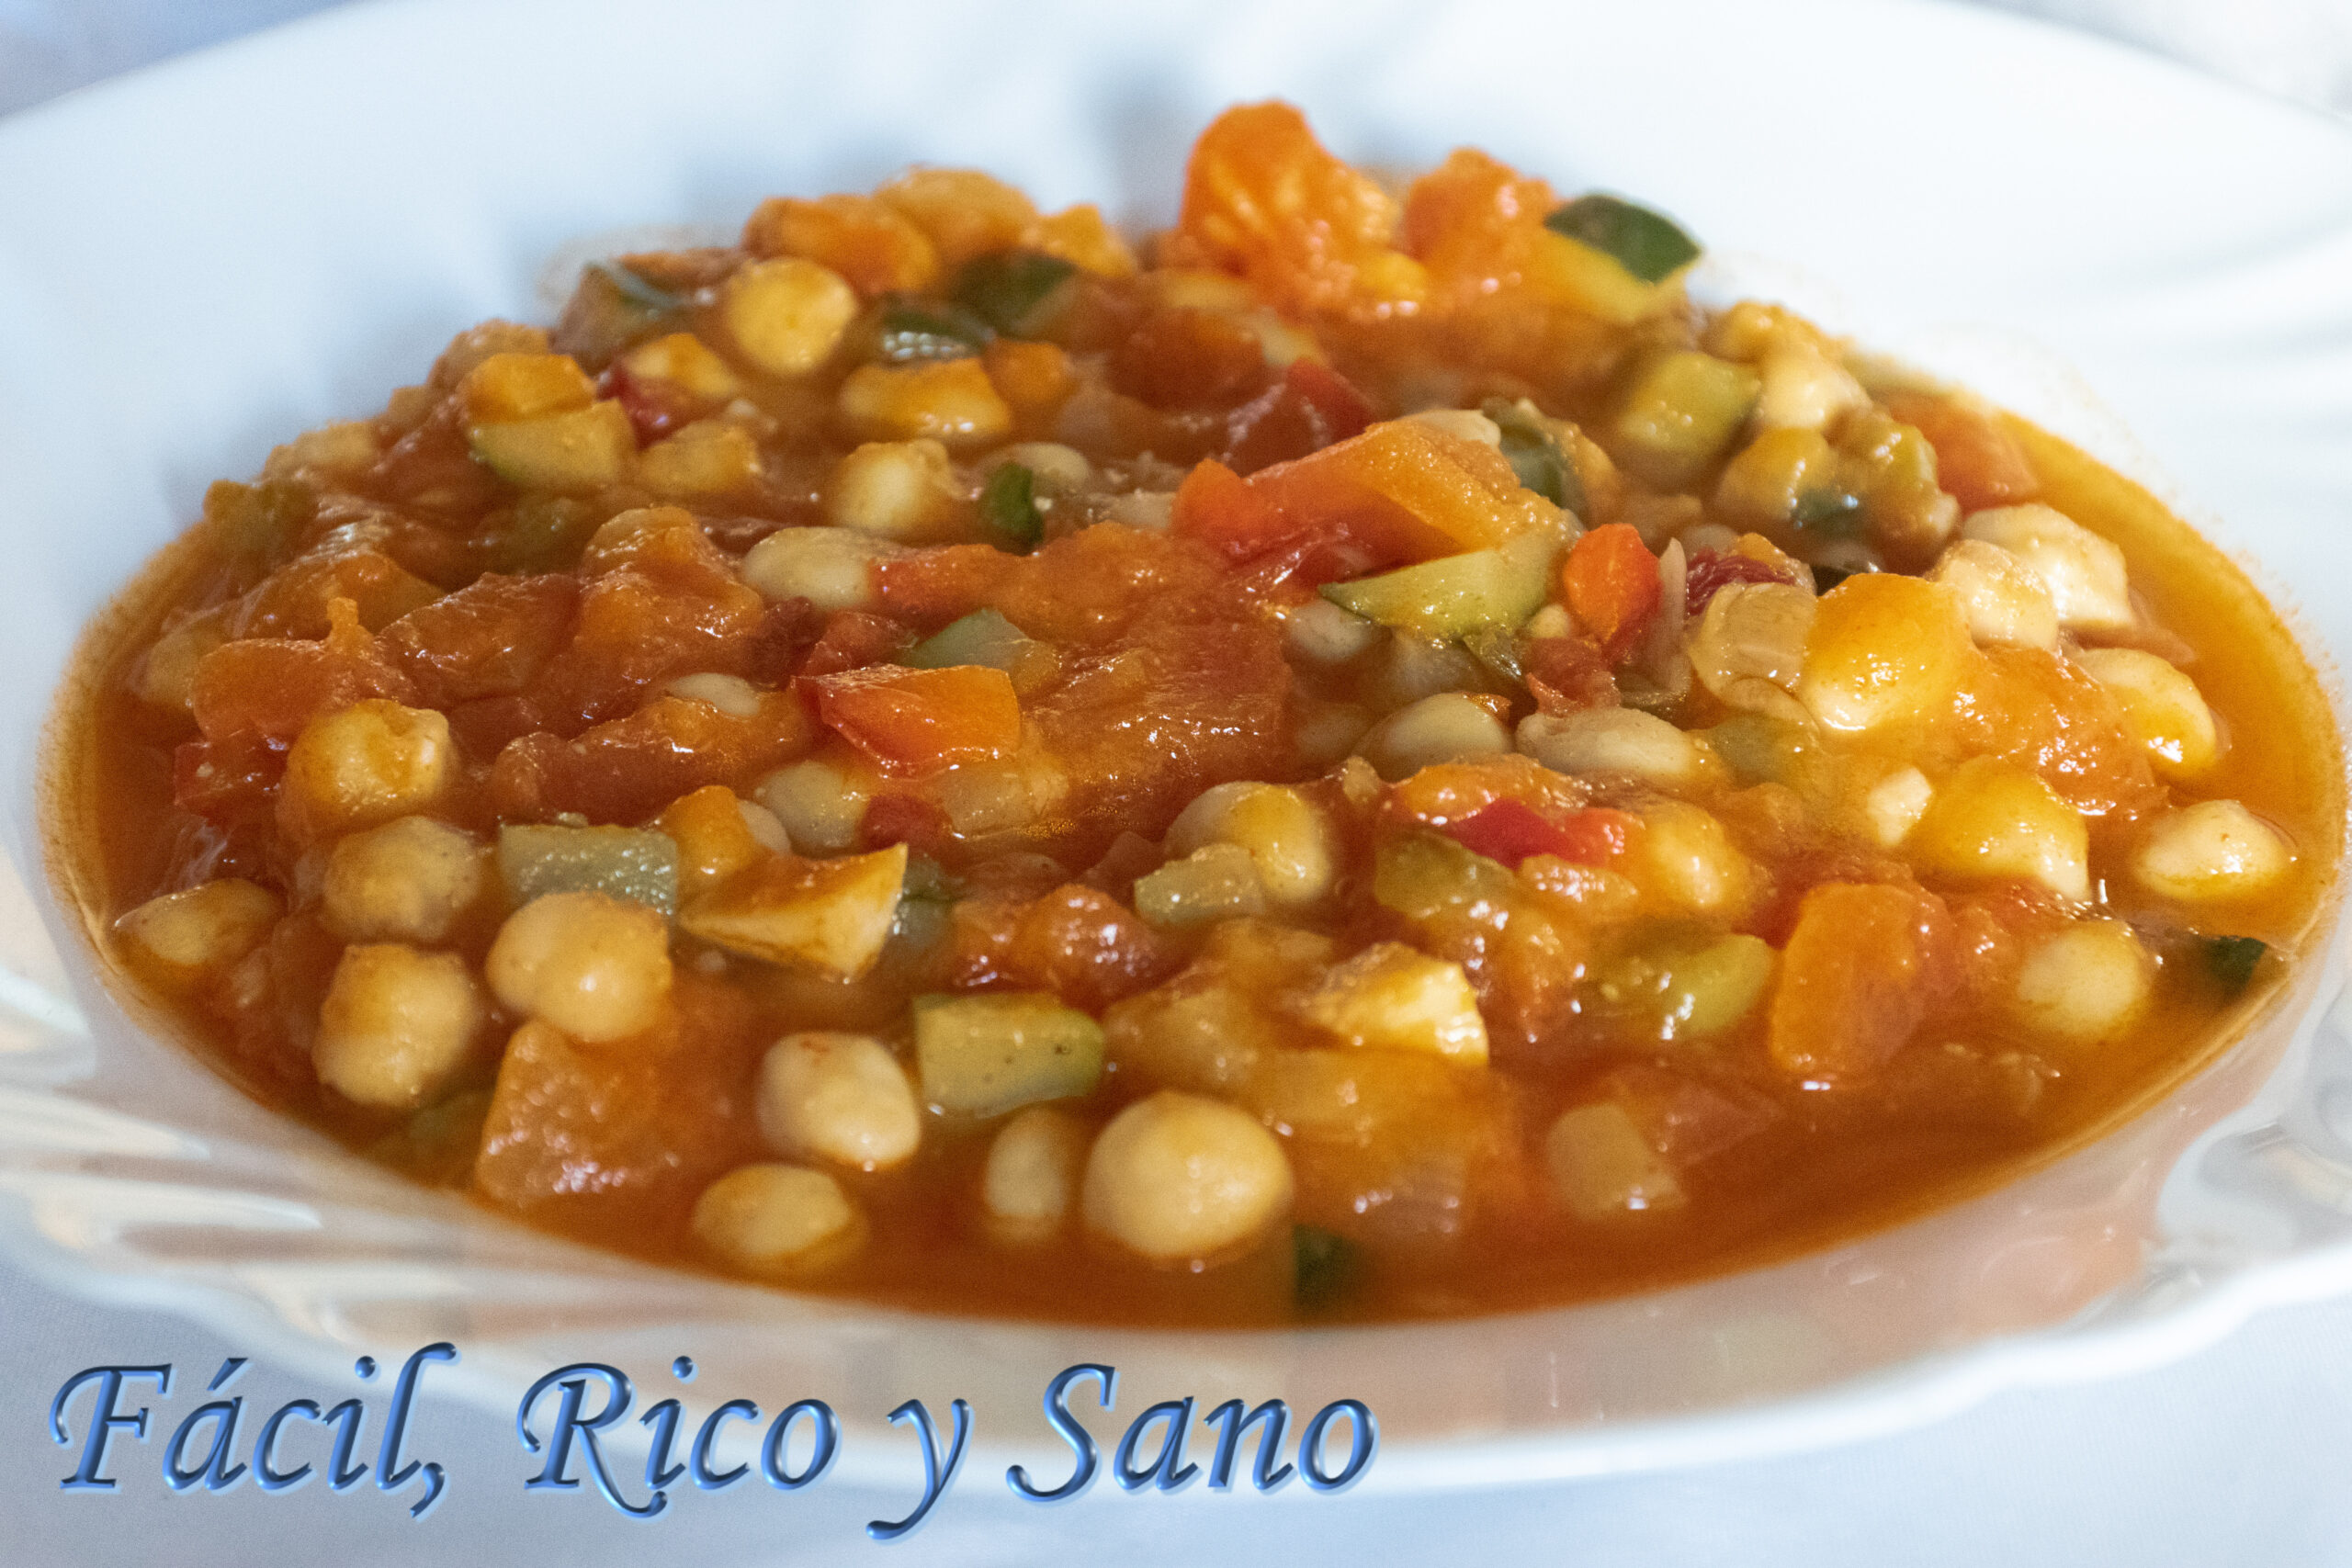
{"points": [[1458, 596], [1535, 456], [907, 330], [2231, 960], [1325, 1267], [1213, 882], [1008, 506], [1678, 413], [1510, 831], [982, 637], [1610, 579], [1010, 290], [1685, 988], [1649, 246], [1390, 997], [983, 1056], [919, 722], [626, 863], [831, 915]]}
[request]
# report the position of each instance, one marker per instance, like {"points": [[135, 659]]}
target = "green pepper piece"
{"points": [[2232, 959], [545, 533], [1535, 456], [1834, 514], [909, 329], [1009, 505], [1327, 1267], [1649, 246], [1006, 288]]}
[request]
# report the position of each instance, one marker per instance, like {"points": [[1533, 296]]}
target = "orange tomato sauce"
{"points": [[1494, 786]]}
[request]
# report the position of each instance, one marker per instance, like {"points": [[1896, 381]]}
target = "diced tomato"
{"points": [[270, 688], [1224, 511], [626, 770], [1510, 831], [1186, 358], [606, 1140], [1711, 572], [1407, 490], [1313, 406], [893, 818], [655, 407], [932, 587], [915, 723], [1566, 674], [490, 639], [1864, 965], [853, 639], [1610, 581], [226, 779], [1473, 222], [1978, 461], [1262, 197]]}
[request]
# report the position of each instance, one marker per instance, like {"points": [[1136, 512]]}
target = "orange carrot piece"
{"points": [[919, 722], [1610, 581]]}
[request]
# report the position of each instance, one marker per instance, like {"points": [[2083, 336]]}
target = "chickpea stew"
{"points": [[1368, 760]]}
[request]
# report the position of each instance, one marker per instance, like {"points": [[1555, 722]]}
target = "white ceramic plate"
{"points": [[202, 260]]}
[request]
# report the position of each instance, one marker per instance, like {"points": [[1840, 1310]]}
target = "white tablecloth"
{"points": [[2241, 1454]]}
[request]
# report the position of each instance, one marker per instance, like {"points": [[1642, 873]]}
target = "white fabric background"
{"points": [[2240, 1455]]}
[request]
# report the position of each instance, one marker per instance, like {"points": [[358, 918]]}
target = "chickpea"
{"points": [[839, 1097], [407, 881], [1058, 470], [900, 490], [1893, 804], [777, 1221], [1031, 1179], [1467, 424], [2089, 584], [1691, 861], [1321, 633], [2163, 709], [1601, 1165], [709, 457], [1611, 740], [397, 1025], [1884, 650], [818, 803], [1442, 728], [1803, 386], [1287, 838], [830, 567], [2003, 598], [594, 966], [1180, 1179], [361, 765], [204, 929], [2085, 985], [684, 361], [785, 315], [950, 401], [1749, 647], [1993, 821], [2213, 850]]}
